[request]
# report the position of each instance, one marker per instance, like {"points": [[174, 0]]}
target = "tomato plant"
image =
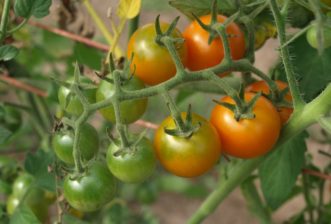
{"points": [[91, 190], [63, 142], [201, 54], [141, 156], [284, 112], [247, 138], [151, 62], [187, 157], [131, 110]]}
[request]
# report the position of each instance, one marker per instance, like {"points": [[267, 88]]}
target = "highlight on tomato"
{"points": [[202, 55], [247, 138], [262, 86], [187, 157], [152, 62]]}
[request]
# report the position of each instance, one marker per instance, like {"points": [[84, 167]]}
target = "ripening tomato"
{"points": [[187, 157], [152, 63], [284, 112], [247, 138], [63, 143], [134, 166], [131, 110], [202, 55], [92, 190], [72, 105]]}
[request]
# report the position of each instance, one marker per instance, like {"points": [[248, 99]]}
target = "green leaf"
{"points": [[28, 8], [37, 165], [68, 219], [128, 8], [278, 173], [254, 202], [88, 56], [312, 69], [24, 215], [8, 52], [5, 134]]}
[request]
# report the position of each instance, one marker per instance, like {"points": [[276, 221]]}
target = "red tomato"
{"points": [[284, 112], [247, 138], [202, 55]]}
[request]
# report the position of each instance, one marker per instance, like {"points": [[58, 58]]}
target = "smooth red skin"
{"points": [[284, 112], [152, 63], [187, 157], [201, 55], [247, 138]]}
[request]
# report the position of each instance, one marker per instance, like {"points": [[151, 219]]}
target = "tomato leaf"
{"points": [[37, 165], [24, 215], [312, 69], [128, 8], [8, 52], [254, 202], [88, 56], [28, 8], [278, 173]]}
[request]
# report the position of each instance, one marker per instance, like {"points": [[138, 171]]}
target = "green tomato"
{"points": [[35, 198], [91, 190], [312, 34], [132, 166], [63, 143], [72, 105], [131, 110]]}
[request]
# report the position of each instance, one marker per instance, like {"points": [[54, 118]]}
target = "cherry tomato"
{"points": [[312, 38], [187, 157], [134, 166], [72, 105], [284, 112], [247, 138], [131, 110], [63, 143], [92, 190], [152, 63], [35, 198], [202, 55]]}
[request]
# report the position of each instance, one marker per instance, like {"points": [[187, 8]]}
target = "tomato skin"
{"points": [[131, 110], [132, 167], [313, 39], [152, 63], [36, 199], [247, 138], [284, 112], [201, 55], [187, 157], [63, 144], [74, 106], [92, 190]]}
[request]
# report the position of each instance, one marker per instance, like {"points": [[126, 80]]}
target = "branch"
{"points": [[317, 174], [71, 36], [21, 85]]}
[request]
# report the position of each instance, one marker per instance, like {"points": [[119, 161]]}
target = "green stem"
{"points": [[19, 26], [306, 193], [168, 42], [299, 121], [320, 208], [285, 55], [133, 25], [4, 20]]}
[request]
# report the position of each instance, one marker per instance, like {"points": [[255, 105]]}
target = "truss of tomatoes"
{"points": [[189, 156]]}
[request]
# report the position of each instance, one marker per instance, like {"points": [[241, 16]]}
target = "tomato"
{"points": [[247, 138], [284, 112], [202, 55], [131, 110], [187, 157], [63, 143], [35, 198], [132, 166], [92, 190], [312, 36], [152, 63], [72, 105]]}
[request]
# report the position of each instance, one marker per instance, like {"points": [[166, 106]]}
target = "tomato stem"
{"points": [[4, 20]]}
